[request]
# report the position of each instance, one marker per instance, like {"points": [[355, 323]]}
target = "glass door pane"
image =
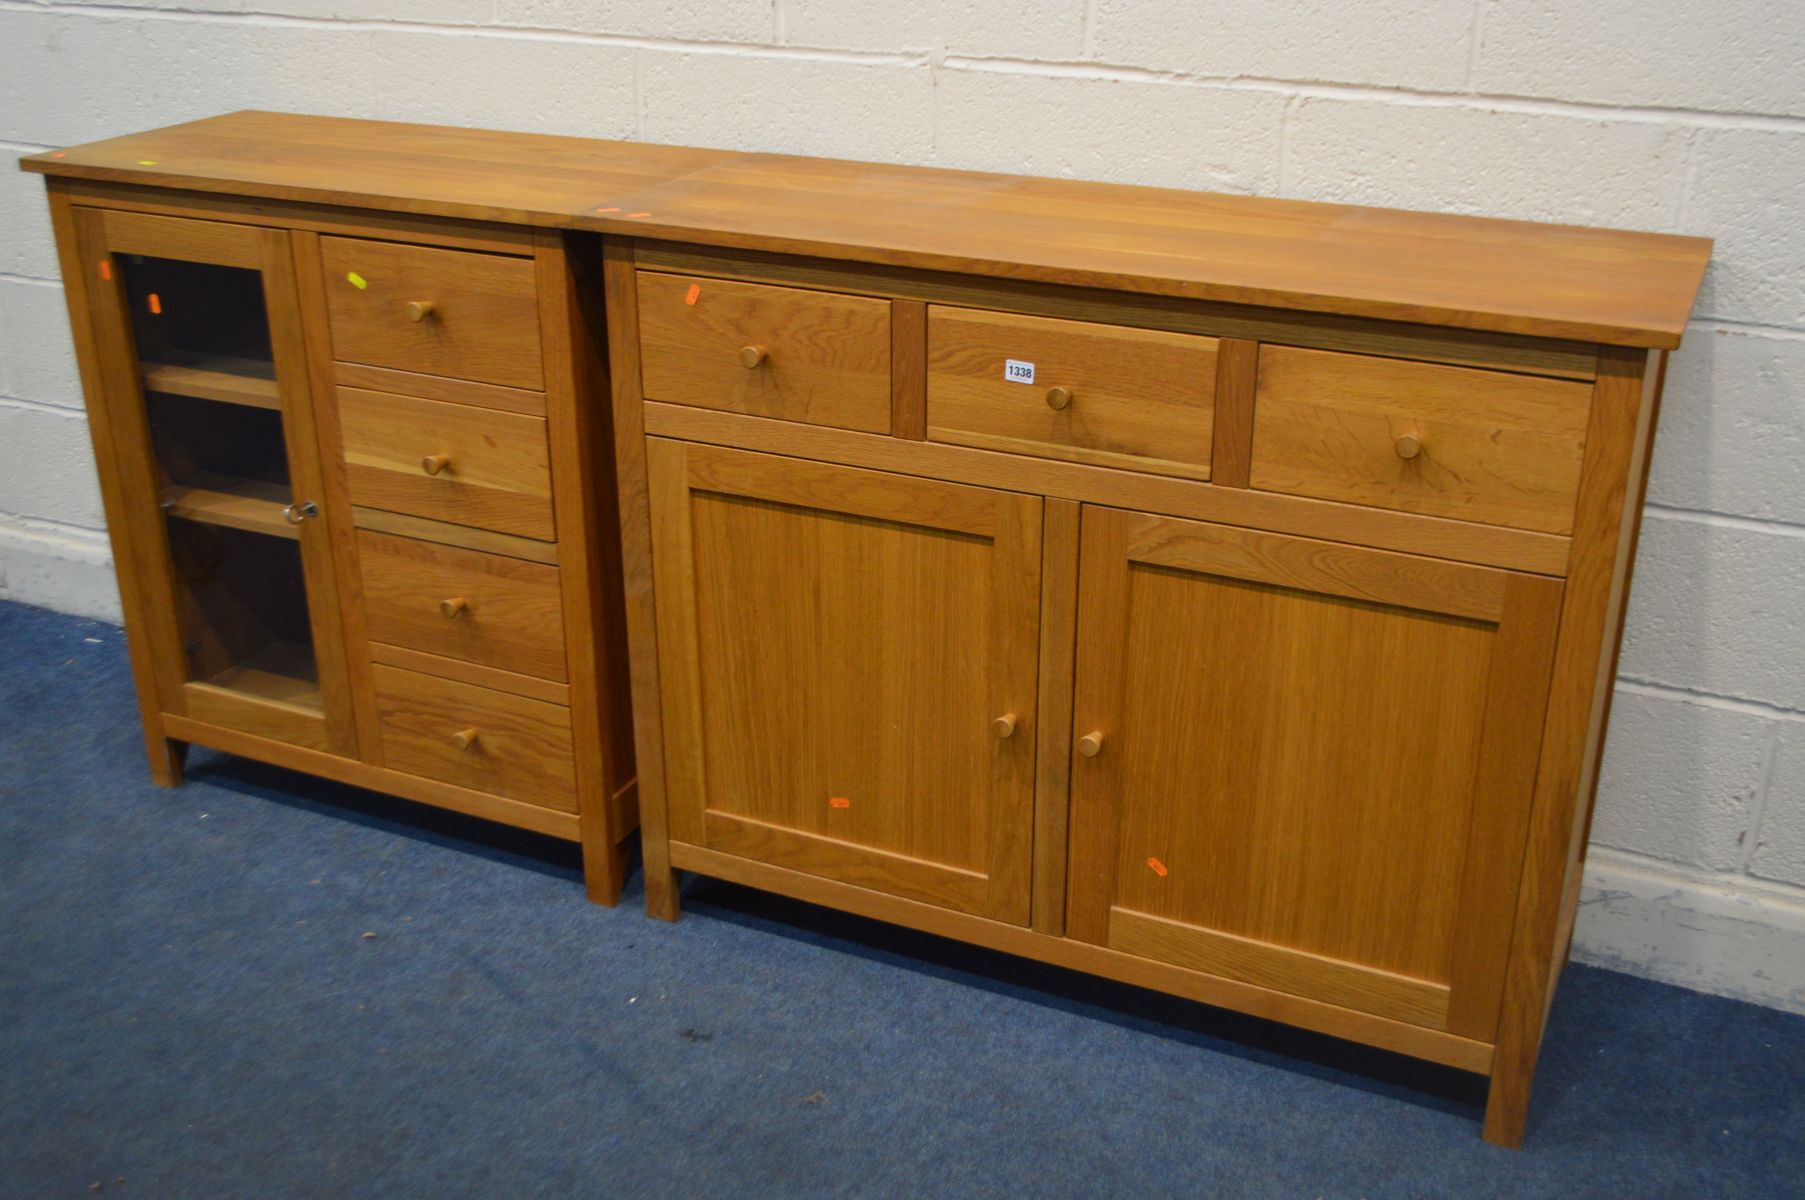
{"points": [[202, 340]]}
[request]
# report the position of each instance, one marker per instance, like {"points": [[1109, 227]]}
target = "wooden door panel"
{"points": [[835, 645], [1276, 765], [1312, 773]]}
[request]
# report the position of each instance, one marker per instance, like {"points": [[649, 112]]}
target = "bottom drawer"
{"points": [[476, 738]]}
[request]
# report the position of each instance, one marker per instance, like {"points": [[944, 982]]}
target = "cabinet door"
{"points": [[198, 329], [847, 662], [1309, 765]]}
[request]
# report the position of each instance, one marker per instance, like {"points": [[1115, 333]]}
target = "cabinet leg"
{"points": [[604, 871], [167, 758], [661, 879], [661, 895], [1507, 1106]]}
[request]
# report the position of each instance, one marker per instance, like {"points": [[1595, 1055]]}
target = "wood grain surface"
{"points": [[1613, 286]]}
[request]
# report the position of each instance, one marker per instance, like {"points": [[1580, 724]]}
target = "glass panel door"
{"points": [[205, 377]]}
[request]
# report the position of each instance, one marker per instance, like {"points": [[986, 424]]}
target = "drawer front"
{"points": [[476, 738], [1474, 445], [443, 312], [448, 462], [1137, 398], [788, 353], [482, 608]]}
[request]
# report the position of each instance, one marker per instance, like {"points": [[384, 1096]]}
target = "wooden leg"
{"points": [[604, 871], [167, 757], [661, 880], [1507, 1104]]}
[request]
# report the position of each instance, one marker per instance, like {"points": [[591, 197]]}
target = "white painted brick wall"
{"points": [[831, 107], [1665, 114], [1111, 129]]}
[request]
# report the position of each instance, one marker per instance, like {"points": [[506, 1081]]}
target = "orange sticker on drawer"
{"points": [[1158, 867], [839, 802], [695, 290]]}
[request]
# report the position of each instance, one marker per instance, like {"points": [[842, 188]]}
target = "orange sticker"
{"points": [[156, 304], [616, 208], [60, 154], [839, 802], [643, 214], [689, 297], [106, 268], [1159, 868]]}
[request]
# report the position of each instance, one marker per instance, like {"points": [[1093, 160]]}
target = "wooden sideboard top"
{"points": [[1520, 277]]}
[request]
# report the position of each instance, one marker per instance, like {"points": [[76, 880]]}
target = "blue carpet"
{"points": [[193, 1005]]}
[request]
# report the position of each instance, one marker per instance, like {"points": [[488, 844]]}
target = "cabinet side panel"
{"points": [[620, 296], [165, 764], [1623, 407], [583, 493]]}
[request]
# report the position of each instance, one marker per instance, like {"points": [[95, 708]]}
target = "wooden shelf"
{"points": [[247, 504], [283, 672], [216, 377]]}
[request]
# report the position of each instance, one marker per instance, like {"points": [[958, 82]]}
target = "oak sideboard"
{"points": [[1213, 593]]}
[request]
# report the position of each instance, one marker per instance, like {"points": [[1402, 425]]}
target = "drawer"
{"points": [[448, 462], [1482, 446], [1105, 394], [444, 312], [788, 353], [476, 738], [482, 608]]}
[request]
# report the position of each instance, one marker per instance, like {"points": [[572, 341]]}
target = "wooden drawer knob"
{"points": [[1409, 446], [1091, 744], [751, 356], [1058, 398], [463, 739], [453, 606], [419, 310], [1003, 726], [432, 464]]}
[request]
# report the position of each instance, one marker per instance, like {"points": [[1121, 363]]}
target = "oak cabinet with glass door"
{"points": [[353, 498]]}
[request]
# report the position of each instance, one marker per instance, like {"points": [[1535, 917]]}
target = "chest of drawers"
{"points": [[1216, 594]]}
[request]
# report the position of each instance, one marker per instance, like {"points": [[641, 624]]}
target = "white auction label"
{"points": [[1017, 371]]}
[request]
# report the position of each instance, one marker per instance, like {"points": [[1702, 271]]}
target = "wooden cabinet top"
{"points": [[1521, 277]]}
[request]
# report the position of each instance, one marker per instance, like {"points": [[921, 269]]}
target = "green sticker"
{"points": [[357, 281]]}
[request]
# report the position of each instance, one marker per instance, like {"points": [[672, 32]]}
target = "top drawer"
{"points": [[789, 353], [441, 312], [1106, 394], [1483, 446]]}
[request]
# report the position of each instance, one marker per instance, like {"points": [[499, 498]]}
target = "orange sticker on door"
{"points": [[839, 802], [1157, 867]]}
